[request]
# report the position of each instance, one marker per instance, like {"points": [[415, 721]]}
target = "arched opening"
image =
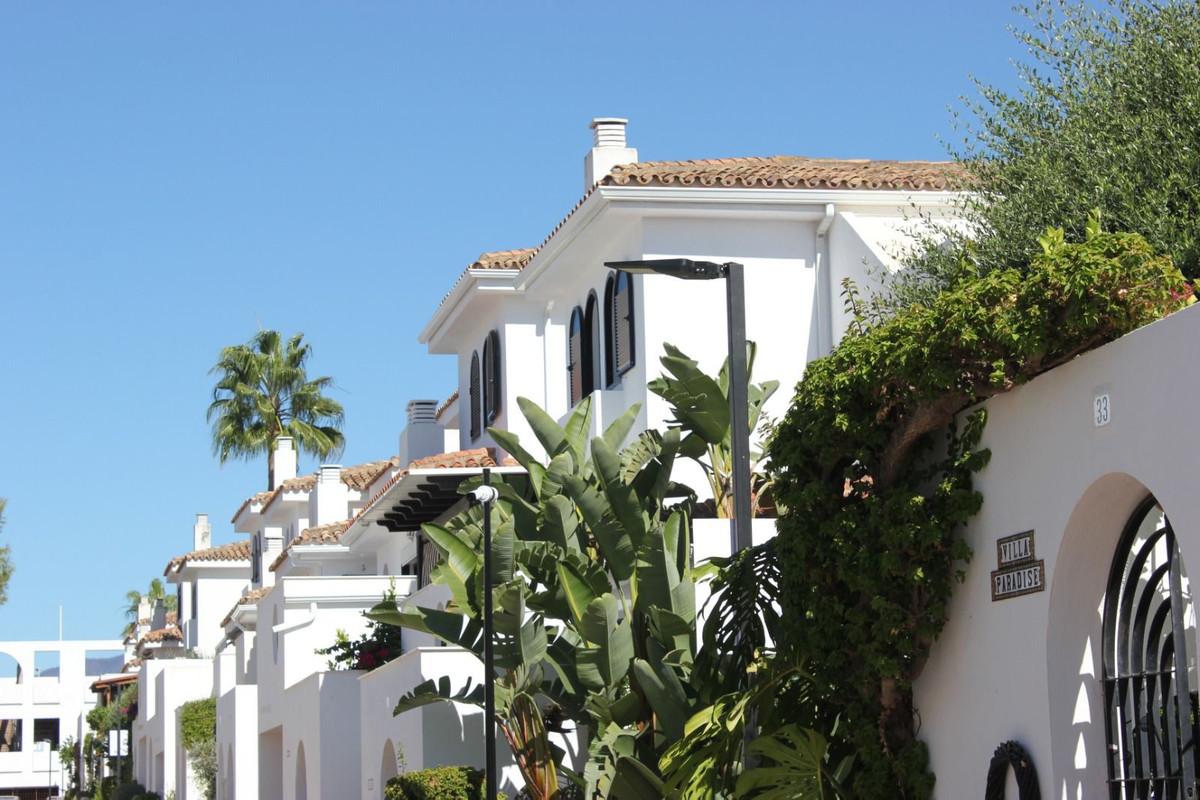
{"points": [[591, 344], [301, 774], [618, 311], [575, 360], [1148, 659], [389, 767], [10, 669], [491, 378]]}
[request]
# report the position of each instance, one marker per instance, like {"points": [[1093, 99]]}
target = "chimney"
{"points": [[201, 533], [144, 610], [608, 150], [283, 461], [423, 435], [330, 498]]}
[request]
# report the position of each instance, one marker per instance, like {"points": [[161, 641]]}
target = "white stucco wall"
{"points": [[1028, 668]]}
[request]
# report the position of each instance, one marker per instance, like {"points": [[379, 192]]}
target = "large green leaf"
{"points": [[621, 498], [552, 437], [578, 590], [512, 444], [439, 691], [614, 434], [559, 522], [797, 768], [665, 694], [635, 781], [458, 567], [448, 626], [606, 662], [579, 424], [614, 542]]}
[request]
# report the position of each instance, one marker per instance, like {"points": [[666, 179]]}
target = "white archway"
{"points": [[389, 767]]}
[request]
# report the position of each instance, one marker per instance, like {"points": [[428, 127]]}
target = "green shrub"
{"points": [[437, 783], [129, 791]]}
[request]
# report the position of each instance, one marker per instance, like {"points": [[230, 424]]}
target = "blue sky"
{"points": [[174, 176]]}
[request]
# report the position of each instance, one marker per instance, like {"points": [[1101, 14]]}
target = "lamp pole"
{"points": [[739, 404], [485, 495]]}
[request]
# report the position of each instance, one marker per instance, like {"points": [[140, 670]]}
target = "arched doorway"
{"points": [[301, 774], [1149, 663], [389, 767]]}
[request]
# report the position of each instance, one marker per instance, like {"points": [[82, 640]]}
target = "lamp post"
{"points": [[485, 495], [739, 406]]}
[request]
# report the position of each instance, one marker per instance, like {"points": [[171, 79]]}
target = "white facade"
{"points": [[288, 726], [1029, 668], [45, 688]]}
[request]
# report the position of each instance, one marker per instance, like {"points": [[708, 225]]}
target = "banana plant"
{"points": [[595, 603], [700, 404]]}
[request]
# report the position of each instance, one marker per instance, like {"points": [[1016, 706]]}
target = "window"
{"points": [[491, 377], [591, 339], [1150, 724], [45, 664], [575, 362], [10, 735], [195, 610], [473, 392], [618, 309], [103, 662], [10, 669], [46, 730], [256, 559]]}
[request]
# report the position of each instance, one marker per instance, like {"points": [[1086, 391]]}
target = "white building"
{"points": [[549, 323], [176, 653], [45, 694]]}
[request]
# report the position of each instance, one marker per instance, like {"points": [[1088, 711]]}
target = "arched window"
{"points": [[1150, 725], [491, 377], [473, 391], [618, 310], [591, 339], [575, 365]]}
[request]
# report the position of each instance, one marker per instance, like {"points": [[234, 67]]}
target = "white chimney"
{"points": [[423, 435], [330, 498], [283, 461], [608, 150], [201, 533], [144, 609]]}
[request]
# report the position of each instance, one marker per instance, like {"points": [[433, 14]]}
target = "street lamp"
{"points": [[486, 495], [739, 405]]}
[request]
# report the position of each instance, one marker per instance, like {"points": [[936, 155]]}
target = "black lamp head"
{"points": [[684, 268]]}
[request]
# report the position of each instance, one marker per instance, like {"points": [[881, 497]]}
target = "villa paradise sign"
{"points": [[1017, 572]]}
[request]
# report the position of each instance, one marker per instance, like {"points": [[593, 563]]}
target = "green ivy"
{"points": [[874, 462], [437, 783], [197, 722]]}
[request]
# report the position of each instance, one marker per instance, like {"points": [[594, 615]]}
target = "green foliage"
{"points": [[437, 783], [6, 567], [700, 407], [198, 735], [68, 751], [377, 646], [263, 392], [594, 600], [129, 791], [155, 594], [872, 504], [1107, 116]]}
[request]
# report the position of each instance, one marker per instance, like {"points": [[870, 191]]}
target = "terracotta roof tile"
{"points": [[790, 172], [233, 551], [445, 406], [324, 534], [257, 499], [251, 596], [504, 259], [358, 477], [132, 665], [167, 634]]}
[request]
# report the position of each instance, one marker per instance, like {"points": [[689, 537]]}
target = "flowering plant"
{"points": [[379, 645]]}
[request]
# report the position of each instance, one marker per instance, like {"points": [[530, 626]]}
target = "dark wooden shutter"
{"points": [[610, 330], [623, 308], [491, 377], [575, 355], [587, 352], [473, 391]]}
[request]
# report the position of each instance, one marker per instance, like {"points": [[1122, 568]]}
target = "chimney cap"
{"points": [[598, 121]]}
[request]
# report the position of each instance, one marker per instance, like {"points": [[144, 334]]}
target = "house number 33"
{"points": [[1102, 411]]}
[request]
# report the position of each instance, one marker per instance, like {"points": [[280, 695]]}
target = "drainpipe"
{"points": [[825, 289]]}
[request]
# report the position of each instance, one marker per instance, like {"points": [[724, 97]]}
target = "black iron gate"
{"points": [[1150, 722]]}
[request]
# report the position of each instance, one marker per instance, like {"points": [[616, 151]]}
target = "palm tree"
{"points": [[263, 392], [6, 568], [155, 594]]}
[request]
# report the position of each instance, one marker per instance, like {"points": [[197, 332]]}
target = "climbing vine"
{"points": [[874, 461]]}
